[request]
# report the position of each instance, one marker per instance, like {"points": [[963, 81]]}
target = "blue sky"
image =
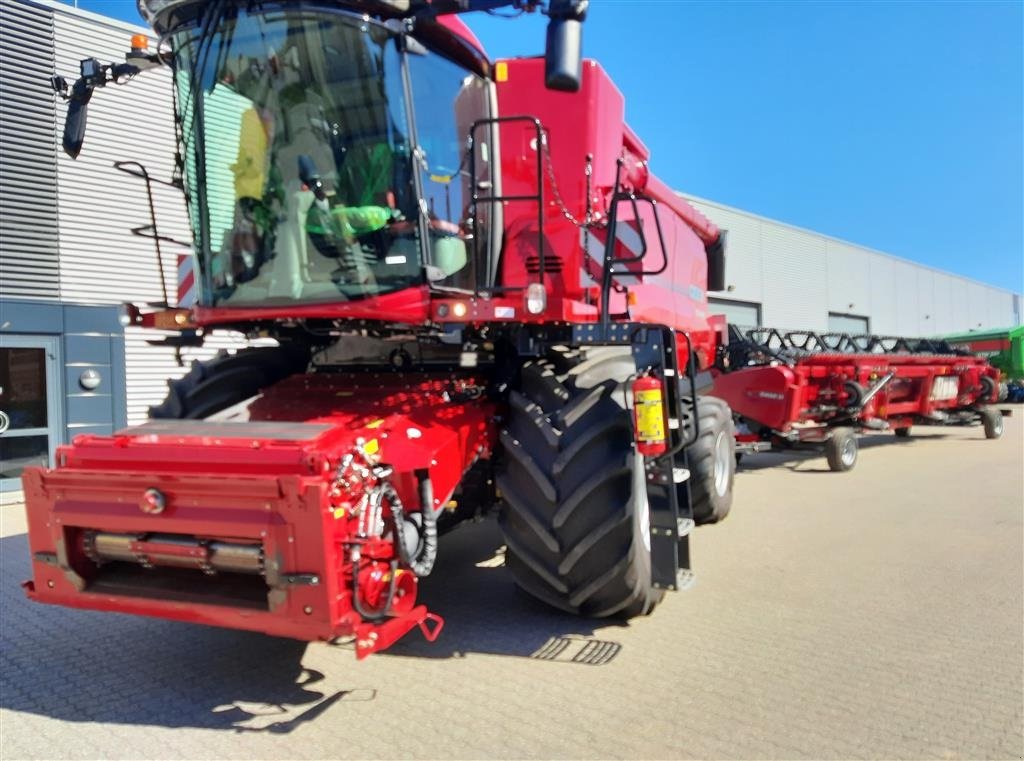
{"points": [[898, 126]]}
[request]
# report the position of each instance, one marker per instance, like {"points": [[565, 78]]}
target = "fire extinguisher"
{"points": [[649, 417]]}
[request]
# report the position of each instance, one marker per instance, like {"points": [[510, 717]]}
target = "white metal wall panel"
{"points": [[884, 292], [29, 261], [743, 265], [926, 302], [101, 261], [1001, 310], [908, 310], [945, 320], [795, 278], [959, 310], [849, 284], [977, 304]]}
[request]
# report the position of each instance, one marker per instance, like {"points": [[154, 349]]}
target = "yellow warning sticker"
{"points": [[376, 423], [371, 447]]}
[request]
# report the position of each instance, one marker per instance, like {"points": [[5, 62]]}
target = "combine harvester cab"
{"points": [[802, 389]]}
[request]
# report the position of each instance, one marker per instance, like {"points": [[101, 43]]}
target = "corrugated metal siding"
{"points": [[794, 278], [849, 282], [101, 261], [908, 311], [926, 302], [884, 292], [29, 262], [945, 319], [958, 304]]}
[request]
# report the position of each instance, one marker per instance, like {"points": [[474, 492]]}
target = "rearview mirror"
{"points": [[74, 124], [563, 53], [563, 62]]}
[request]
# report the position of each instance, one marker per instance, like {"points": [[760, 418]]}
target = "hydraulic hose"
{"points": [[421, 563]]}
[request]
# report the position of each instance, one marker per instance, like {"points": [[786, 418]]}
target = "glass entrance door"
{"points": [[29, 405]]}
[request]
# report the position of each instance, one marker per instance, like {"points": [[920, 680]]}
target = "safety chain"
{"points": [[588, 222]]}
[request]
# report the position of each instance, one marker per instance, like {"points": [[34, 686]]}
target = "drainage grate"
{"points": [[590, 652]]}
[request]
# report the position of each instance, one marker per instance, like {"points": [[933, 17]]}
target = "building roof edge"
{"points": [[762, 218]]}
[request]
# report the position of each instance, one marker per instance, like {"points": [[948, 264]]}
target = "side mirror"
{"points": [[563, 55], [75, 122], [716, 263]]}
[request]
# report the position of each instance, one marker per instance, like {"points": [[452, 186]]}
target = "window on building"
{"points": [[743, 314], [853, 324]]}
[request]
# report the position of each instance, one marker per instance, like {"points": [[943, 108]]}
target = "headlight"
{"points": [[536, 298]]}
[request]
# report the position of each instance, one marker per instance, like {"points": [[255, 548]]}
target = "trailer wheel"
{"points": [[215, 384], [992, 420], [903, 432], [574, 499], [713, 460], [841, 450]]}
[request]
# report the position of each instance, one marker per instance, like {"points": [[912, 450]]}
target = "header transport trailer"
{"points": [[801, 389], [480, 295]]}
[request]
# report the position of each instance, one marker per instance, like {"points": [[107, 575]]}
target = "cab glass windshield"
{"points": [[302, 173]]}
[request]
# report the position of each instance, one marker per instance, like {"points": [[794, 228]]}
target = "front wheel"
{"points": [[574, 500], [841, 450]]}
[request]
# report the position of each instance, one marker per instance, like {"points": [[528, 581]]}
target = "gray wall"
{"points": [[89, 338]]}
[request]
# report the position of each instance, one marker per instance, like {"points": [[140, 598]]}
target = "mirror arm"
{"points": [[93, 75]]}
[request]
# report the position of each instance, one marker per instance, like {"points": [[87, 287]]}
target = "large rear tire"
{"points": [[713, 461], [215, 384], [574, 501]]}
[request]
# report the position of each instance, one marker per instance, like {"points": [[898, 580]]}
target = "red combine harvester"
{"points": [[480, 297], [799, 389]]}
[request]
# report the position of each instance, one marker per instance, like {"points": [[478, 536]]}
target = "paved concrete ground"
{"points": [[873, 614]]}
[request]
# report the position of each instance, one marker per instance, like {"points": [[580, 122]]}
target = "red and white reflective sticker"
{"points": [[186, 280]]}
